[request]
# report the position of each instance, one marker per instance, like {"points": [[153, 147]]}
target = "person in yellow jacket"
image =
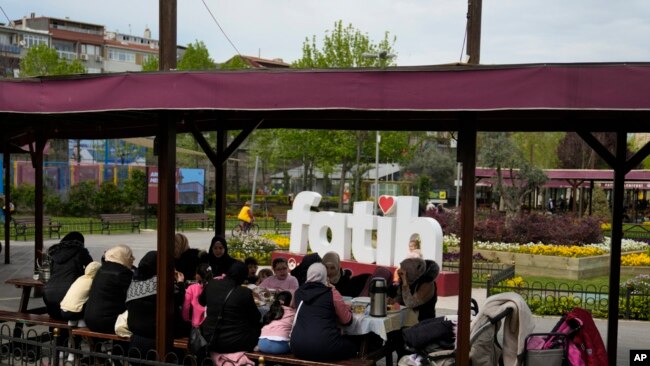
{"points": [[246, 216]]}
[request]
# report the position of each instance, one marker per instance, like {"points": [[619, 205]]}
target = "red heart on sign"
{"points": [[386, 203]]}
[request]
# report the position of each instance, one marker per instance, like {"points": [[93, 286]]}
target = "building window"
{"points": [[91, 49], [34, 40], [122, 56]]}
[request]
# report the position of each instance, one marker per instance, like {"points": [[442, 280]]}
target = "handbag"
{"points": [[197, 342]]}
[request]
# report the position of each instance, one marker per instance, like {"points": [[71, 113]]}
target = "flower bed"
{"points": [[570, 262]]}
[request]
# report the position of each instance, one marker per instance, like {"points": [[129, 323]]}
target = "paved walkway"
{"points": [[631, 334]]}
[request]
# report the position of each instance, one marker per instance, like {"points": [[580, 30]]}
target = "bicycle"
{"points": [[238, 230]]}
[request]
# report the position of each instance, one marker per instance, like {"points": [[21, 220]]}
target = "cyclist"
{"points": [[246, 217]]}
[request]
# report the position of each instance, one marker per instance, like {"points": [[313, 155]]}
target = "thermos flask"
{"points": [[377, 293]]}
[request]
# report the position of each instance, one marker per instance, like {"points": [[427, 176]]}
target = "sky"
{"points": [[428, 32]]}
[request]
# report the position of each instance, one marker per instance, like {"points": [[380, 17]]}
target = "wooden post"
{"points": [[167, 28], [166, 215], [6, 162], [467, 156], [37, 160], [474, 10], [220, 185]]}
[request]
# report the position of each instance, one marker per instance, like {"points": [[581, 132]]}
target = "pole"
{"points": [[378, 140], [257, 163], [474, 10]]}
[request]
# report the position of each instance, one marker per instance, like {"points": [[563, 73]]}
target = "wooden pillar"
{"points": [[37, 161], [467, 156], [6, 163], [615, 250], [474, 14], [167, 28], [166, 215], [220, 184]]}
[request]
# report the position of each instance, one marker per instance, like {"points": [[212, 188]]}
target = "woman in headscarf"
{"points": [[108, 291], [68, 260], [342, 279], [300, 272], [218, 257], [316, 335], [238, 329], [186, 259], [141, 304], [417, 286]]}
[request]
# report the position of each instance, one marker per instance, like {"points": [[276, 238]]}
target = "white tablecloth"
{"points": [[364, 324]]}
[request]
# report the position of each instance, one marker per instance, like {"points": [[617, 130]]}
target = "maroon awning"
{"points": [[457, 88]]}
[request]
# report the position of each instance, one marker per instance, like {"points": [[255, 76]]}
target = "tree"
{"points": [[344, 47], [41, 60], [196, 57], [151, 63], [498, 151], [539, 148], [599, 205]]}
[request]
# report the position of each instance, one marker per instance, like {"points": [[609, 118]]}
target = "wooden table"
{"points": [[26, 284]]}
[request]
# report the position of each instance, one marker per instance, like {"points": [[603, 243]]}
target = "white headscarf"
{"points": [[317, 273]]}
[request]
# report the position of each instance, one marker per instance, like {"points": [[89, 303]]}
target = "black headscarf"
{"points": [[222, 264], [74, 235], [237, 272], [148, 266]]}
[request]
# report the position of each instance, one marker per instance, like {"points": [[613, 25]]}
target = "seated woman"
{"points": [[141, 304], [417, 286], [281, 279], [232, 323], [320, 309], [186, 259], [68, 260], [218, 257], [107, 296], [342, 279]]}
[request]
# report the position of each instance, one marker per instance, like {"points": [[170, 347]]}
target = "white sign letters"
{"points": [[351, 234]]}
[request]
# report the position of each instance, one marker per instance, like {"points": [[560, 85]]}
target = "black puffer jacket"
{"points": [[68, 260], [315, 335], [189, 261], [107, 297]]}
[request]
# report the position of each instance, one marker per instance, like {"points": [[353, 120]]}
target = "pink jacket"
{"points": [[272, 282], [192, 303], [280, 329]]}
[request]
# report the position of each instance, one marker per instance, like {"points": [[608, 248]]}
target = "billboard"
{"points": [[189, 186]]}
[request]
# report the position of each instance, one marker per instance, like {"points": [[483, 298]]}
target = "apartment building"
{"points": [[14, 44]]}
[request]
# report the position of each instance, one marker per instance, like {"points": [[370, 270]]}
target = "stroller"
{"points": [[574, 341], [486, 349]]}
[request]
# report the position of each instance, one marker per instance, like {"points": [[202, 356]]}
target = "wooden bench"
{"points": [[109, 219], [289, 359], [23, 224], [277, 220], [203, 218], [32, 319]]}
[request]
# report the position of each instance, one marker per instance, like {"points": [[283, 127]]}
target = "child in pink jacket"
{"points": [[191, 304], [277, 325]]}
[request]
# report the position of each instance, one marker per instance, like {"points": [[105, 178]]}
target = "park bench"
{"points": [[278, 219], [203, 218], [24, 224], [110, 219]]}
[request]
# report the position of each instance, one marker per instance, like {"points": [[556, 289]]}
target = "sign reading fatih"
{"points": [[352, 233]]}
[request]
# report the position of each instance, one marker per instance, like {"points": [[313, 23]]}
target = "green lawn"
{"points": [[595, 281]]}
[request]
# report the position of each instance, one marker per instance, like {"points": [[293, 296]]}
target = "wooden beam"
{"points": [[467, 146], [474, 15], [220, 185], [637, 158], [167, 30], [37, 160], [615, 250], [166, 216], [6, 164], [598, 147], [234, 145], [207, 149]]}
